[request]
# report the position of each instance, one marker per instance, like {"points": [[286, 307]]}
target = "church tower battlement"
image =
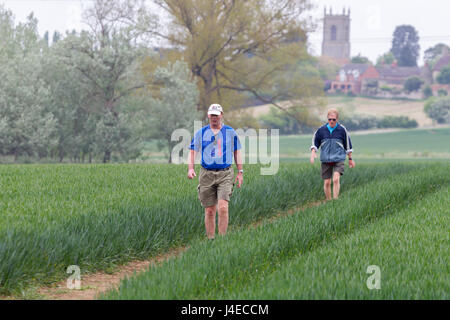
{"points": [[336, 36]]}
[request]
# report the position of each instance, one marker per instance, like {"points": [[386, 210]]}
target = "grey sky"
{"points": [[53, 15], [372, 26], [373, 23]]}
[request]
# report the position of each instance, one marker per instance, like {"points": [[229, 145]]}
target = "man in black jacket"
{"points": [[335, 144]]}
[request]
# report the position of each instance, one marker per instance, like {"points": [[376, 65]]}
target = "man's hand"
{"points": [[239, 178], [313, 155], [191, 174], [351, 163]]}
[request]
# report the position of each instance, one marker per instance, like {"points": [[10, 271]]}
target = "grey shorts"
{"points": [[329, 168], [215, 185]]}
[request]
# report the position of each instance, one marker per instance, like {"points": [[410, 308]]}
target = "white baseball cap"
{"points": [[215, 109]]}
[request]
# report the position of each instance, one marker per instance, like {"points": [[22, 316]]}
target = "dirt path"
{"points": [[94, 284]]}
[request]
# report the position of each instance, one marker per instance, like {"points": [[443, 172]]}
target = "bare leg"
{"points": [[210, 221], [223, 217], [336, 184], [327, 188]]}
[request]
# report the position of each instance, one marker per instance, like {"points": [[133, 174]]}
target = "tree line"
{"points": [[99, 94]]}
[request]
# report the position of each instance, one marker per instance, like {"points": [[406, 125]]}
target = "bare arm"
{"points": [[314, 146], [191, 162], [313, 155], [239, 165], [238, 159], [351, 163]]}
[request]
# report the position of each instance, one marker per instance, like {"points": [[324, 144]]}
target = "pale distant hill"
{"points": [[381, 107], [375, 107]]}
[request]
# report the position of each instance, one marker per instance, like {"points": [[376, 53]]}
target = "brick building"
{"points": [[353, 76], [396, 76], [443, 62]]}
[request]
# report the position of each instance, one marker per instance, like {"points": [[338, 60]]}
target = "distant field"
{"points": [[382, 107], [392, 144], [375, 107], [413, 143], [424, 142]]}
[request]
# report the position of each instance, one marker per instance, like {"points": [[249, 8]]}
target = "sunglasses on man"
{"points": [[331, 119]]}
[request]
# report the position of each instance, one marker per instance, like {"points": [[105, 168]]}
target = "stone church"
{"points": [[336, 36], [384, 81]]}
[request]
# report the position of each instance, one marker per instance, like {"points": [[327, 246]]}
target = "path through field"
{"points": [[238, 266], [94, 284], [129, 219]]}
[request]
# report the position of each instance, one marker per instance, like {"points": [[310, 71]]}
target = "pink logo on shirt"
{"points": [[219, 146]]}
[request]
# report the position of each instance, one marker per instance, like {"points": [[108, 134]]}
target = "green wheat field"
{"points": [[393, 214]]}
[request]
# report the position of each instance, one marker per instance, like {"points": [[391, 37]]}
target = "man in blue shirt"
{"points": [[335, 144], [218, 144]]}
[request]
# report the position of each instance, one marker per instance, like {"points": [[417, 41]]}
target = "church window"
{"points": [[333, 33]]}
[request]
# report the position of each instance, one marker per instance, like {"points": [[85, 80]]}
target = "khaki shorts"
{"points": [[215, 185], [329, 168]]}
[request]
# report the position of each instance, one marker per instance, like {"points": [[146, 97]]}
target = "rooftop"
{"points": [[442, 63], [398, 72]]}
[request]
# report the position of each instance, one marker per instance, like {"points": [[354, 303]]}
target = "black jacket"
{"points": [[334, 146]]}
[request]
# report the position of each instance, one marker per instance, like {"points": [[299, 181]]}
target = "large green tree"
{"points": [[385, 59], [237, 49], [174, 106], [444, 75], [405, 46], [86, 94], [69, 93], [360, 59], [107, 61], [413, 84], [432, 54], [27, 127], [438, 109]]}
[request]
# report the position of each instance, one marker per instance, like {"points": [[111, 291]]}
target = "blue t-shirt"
{"points": [[217, 151], [332, 129]]}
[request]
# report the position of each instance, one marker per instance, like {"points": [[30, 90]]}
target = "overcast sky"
{"points": [[372, 21]]}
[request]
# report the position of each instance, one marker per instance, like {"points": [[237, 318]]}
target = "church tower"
{"points": [[336, 36]]}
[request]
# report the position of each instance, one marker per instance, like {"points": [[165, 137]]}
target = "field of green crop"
{"points": [[101, 216], [98, 216], [411, 248], [397, 221]]}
